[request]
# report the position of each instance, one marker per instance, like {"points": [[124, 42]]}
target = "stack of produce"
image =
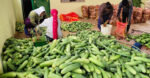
{"points": [[144, 39], [92, 12], [137, 15], [19, 27], [97, 11], [76, 26], [85, 13], [145, 15], [89, 54]]}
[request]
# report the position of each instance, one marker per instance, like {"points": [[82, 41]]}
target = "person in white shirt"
{"points": [[53, 26]]}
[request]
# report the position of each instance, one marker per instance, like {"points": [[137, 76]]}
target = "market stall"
{"points": [[84, 51]]}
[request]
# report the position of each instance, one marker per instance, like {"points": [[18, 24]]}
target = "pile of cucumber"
{"points": [[76, 26], [144, 39], [88, 54], [19, 27]]}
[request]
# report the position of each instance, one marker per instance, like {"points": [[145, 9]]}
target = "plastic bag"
{"points": [[69, 17], [120, 30]]}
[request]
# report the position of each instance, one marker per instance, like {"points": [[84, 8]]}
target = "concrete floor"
{"points": [[140, 28], [145, 27]]}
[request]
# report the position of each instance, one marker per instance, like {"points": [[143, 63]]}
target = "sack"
{"points": [[85, 13], [92, 12], [145, 15], [137, 15], [120, 30]]}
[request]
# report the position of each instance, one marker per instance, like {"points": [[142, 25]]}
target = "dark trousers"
{"points": [[27, 33], [124, 20], [105, 18], [49, 39]]}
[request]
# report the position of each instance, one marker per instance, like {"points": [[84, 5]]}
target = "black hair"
{"points": [[125, 2], [109, 6]]}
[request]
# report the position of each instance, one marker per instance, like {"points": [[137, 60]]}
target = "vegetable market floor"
{"points": [[139, 29]]}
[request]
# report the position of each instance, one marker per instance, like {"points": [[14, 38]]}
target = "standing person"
{"points": [[105, 13], [37, 16], [127, 6], [53, 26]]}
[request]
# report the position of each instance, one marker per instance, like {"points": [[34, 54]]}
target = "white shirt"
{"points": [[49, 24]]}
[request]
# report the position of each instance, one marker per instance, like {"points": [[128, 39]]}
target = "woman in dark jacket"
{"points": [[127, 6], [105, 13]]}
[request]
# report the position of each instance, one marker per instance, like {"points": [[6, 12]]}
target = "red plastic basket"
{"points": [[69, 17]]}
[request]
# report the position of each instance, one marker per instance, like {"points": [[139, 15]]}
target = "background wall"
{"points": [[76, 6], [18, 10], [7, 22]]}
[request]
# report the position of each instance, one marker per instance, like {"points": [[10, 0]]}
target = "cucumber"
{"points": [[81, 60], [91, 67], [141, 59], [54, 43], [22, 65], [67, 75], [52, 75], [133, 63], [62, 66], [79, 71], [46, 72], [97, 70], [95, 61], [71, 59], [9, 75], [137, 76], [95, 75], [78, 76], [70, 68], [99, 75], [5, 66], [117, 75], [68, 50], [129, 75], [61, 60], [113, 58], [104, 73], [129, 68], [143, 76], [142, 68], [137, 68], [90, 76], [84, 55], [113, 69], [22, 60], [10, 65], [86, 67], [119, 71], [47, 63]]}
